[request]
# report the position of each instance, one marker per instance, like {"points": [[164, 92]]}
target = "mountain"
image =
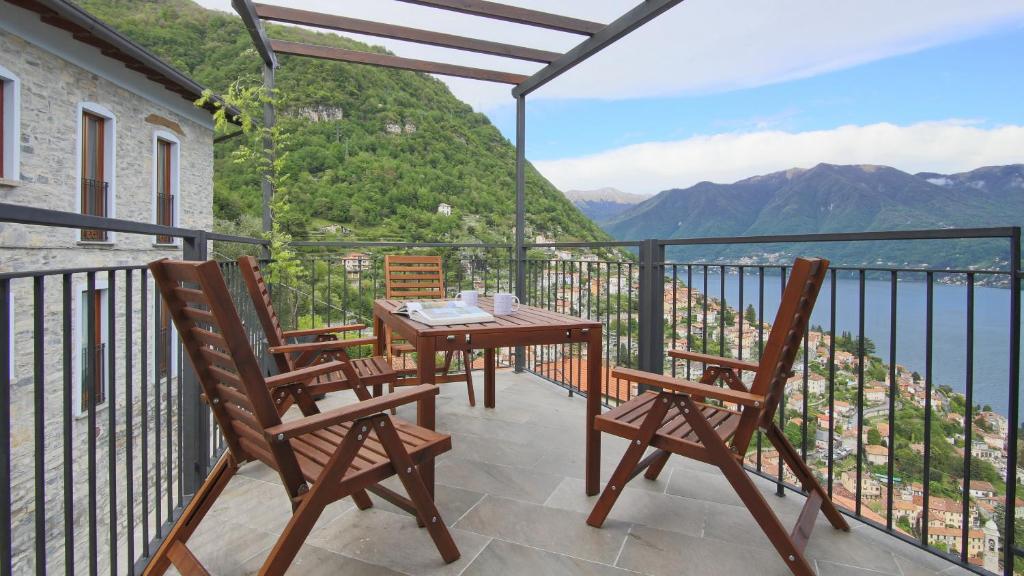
{"points": [[603, 204], [372, 150], [837, 198]]}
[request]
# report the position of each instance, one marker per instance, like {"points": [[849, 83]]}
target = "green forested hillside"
{"points": [[832, 198], [345, 166]]}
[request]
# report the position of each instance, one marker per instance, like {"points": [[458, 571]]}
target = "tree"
{"points": [[728, 314], [874, 436], [750, 315]]}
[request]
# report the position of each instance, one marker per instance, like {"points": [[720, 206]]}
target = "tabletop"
{"points": [[526, 319]]}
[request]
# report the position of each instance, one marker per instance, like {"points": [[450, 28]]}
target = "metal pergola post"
{"points": [[269, 120], [520, 215]]}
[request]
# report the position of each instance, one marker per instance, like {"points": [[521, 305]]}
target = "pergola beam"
{"points": [[354, 25], [259, 36], [514, 14], [389, 61], [625, 24]]}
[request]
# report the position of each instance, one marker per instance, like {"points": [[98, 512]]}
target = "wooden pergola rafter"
{"points": [[597, 37]]}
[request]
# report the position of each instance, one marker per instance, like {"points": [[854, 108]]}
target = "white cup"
{"points": [[468, 297], [505, 304]]}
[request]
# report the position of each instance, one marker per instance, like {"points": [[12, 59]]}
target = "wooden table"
{"points": [[529, 326]]}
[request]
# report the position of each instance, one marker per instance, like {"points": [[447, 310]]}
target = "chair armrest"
{"points": [[321, 346], [324, 330], [303, 375], [714, 360], [352, 411], [688, 387]]}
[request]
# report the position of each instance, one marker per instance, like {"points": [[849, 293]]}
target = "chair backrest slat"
{"points": [[413, 277], [226, 367], [785, 338], [260, 295]]}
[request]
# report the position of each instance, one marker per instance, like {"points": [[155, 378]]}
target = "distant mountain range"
{"points": [[834, 198], [603, 204]]}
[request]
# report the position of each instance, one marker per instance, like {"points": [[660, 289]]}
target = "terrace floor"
{"points": [[512, 492]]}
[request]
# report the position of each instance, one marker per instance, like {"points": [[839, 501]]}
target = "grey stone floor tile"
{"points": [[395, 542], [908, 556], [550, 529], [506, 558], [507, 481], [316, 561], [660, 552], [494, 451], [736, 524], [264, 505], [832, 569], [451, 502], [913, 568], [851, 549], [208, 545], [661, 511], [710, 486]]}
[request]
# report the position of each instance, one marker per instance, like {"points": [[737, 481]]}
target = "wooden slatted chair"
{"points": [[320, 458], [418, 278], [679, 419], [358, 374]]}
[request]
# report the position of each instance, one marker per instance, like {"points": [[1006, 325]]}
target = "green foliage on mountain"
{"points": [[345, 167]]}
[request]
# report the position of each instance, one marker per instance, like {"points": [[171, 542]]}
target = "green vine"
{"points": [[240, 105]]}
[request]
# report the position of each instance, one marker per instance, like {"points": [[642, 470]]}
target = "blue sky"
{"points": [[978, 79]]}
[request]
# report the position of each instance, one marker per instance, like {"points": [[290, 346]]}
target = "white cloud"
{"points": [[947, 146], [699, 46]]}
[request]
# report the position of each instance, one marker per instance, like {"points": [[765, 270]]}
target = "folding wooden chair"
{"points": [[356, 374], [321, 458], [680, 420], [419, 278]]}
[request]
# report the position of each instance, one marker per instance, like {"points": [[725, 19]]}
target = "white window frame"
{"points": [[175, 181], [12, 125], [109, 163], [79, 307]]}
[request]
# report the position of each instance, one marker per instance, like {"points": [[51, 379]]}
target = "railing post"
{"points": [[194, 418], [1010, 507], [651, 339]]}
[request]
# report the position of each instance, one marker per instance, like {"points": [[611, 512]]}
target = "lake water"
{"points": [[949, 328]]}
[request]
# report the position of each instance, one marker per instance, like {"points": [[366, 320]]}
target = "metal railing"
{"points": [[94, 483], [164, 215], [874, 327], [94, 203]]}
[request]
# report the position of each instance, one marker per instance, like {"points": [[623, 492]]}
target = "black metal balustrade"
{"points": [[102, 497], [94, 203], [164, 215]]}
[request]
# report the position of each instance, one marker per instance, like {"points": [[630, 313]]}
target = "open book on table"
{"points": [[443, 312]]}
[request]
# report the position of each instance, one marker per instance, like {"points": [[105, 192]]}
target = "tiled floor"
{"points": [[512, 492]]}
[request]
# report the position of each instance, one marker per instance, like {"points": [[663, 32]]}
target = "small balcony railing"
{"points": [[93, 376], [94, 203], [165, 215]]}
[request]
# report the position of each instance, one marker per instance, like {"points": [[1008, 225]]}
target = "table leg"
{"points": [[380, 332], [593, 470], [425, 411], [489, 369]]}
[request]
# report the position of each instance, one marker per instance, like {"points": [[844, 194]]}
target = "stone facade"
{"points": [[57, 75]]}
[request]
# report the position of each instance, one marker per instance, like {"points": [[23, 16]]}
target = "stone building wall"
{"points": [[57, 74]]}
